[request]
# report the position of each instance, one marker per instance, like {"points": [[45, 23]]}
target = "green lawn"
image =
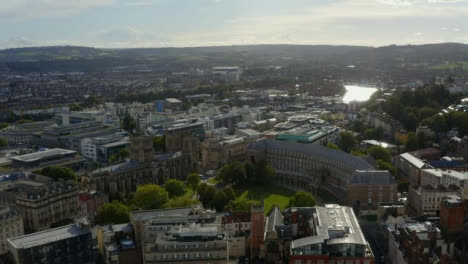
{"points": [[270, 194]]}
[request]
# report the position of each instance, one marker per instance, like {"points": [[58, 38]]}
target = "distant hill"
{"points": [[71, 58]]}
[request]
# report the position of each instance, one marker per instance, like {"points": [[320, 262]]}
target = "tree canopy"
{"points": [[128, 124], [159, 144], [347, 141], [3, 142], [174, 188], [150, 196], [113, 213], [193, 180], [302, 199], [380, 153], [206, 194], [58, 172]]}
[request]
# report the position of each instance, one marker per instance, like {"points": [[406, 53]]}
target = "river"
{"points": [[358, 93]]}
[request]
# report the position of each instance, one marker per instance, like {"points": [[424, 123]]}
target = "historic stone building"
{"points": [[142, 168], [311, 166], [41, 201], [186, 138]]}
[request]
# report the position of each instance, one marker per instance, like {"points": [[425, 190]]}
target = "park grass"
{"points": [[271, 195]]}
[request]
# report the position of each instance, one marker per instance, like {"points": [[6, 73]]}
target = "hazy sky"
{"points": [[162, 23]]}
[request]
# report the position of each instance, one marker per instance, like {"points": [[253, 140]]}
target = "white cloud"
{"points": [[142, 3], [27, 9]]}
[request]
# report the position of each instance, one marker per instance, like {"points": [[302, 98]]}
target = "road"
{"points": [[374, 233]]}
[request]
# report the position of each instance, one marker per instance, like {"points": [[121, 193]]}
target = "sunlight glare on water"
{"points": [[358, 93]]}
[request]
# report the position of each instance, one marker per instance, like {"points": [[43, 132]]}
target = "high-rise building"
{"points": [[67, 244], [11, 225]]}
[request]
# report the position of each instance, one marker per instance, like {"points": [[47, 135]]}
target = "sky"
{"points": [[184, 23]]}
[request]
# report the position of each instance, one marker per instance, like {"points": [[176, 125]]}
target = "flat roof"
{"points": [[333, 219], [47, 236], [42, 155], [415, 161]]}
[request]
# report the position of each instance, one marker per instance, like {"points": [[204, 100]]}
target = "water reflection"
{"points": [[358, 93]]}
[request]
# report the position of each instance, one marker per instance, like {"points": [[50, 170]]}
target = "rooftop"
{"points": [[43, 154], [372, 177], [312, 150], [416, 162], [47, 236], [335, 225]]}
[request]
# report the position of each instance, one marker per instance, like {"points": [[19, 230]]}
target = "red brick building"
{"points": [[90, 202], [258, 230], [453, 212]]}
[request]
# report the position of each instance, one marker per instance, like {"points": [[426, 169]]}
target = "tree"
{"points": [[302, 199], [124, 153], [3, 142], [382, 165], [181, 201], [233, 173], [159, 143], [206, 194], [240, 204], [332, 146], [263, 172], [113, 213], [193, 180], [230, 193], [220, 200], [347, 141], [128, 124], [150, 196], [411, 142], [174, 188], [380, 153], [249, 169], [75, 107], [112, 159], [58, 172]]}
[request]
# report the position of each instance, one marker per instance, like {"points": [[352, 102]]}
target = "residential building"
{"points": [[335, 237], [389, 125], [67, 244], [416, 243], [426, 154], [446, 178], [410, 166], [11, 225], [425, 200]]}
